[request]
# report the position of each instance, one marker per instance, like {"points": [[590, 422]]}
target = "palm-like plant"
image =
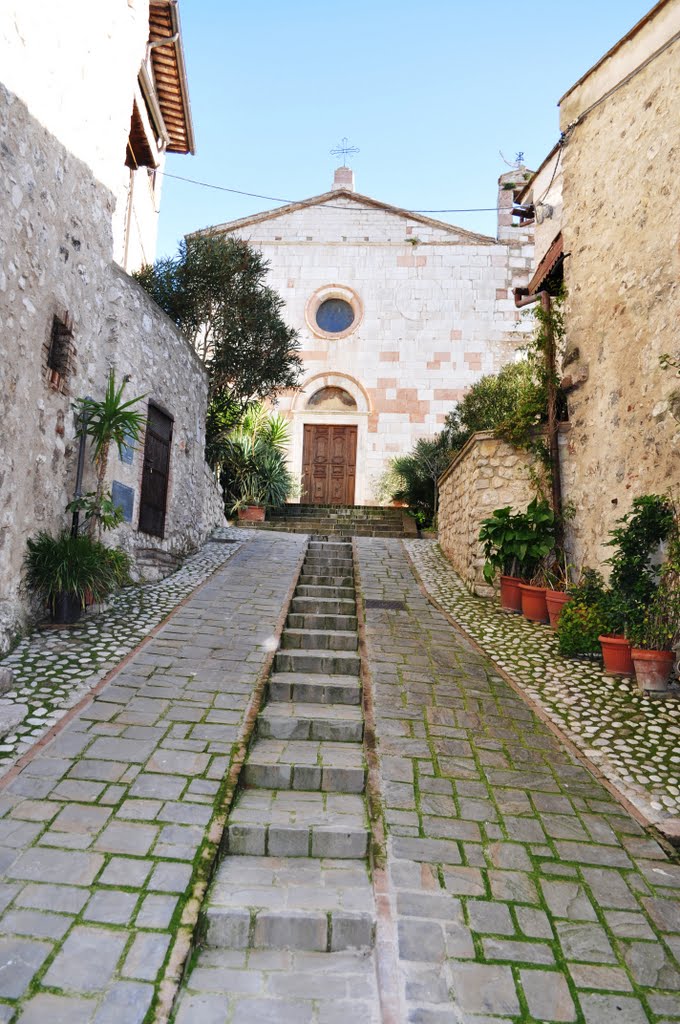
{"points": [[253, 460], [272, 429], [416, 475], [108, 421]]}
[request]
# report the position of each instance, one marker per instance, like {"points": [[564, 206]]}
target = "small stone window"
{"points": [[333, 312], [334, 316], [332, 399], [60, 352]]}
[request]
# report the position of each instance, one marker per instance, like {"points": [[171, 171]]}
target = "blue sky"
{"points": [[429, 91]]}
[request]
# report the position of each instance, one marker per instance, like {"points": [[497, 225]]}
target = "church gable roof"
{"points": [[451, 231]]}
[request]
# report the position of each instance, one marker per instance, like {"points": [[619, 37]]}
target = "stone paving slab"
{"points": [[305, 764], [101, 832], [298, 823], [522, 890], [55, 668], [280, 987], [307, 687], [278, 881], [300, 721], [633, 739]]}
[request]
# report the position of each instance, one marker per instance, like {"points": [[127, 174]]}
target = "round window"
{"points": [[334, 316]]}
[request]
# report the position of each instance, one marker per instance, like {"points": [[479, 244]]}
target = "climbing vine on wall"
{"points": [[522, 427]]}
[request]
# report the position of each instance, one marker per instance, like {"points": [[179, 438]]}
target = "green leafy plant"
{"points": [[640, 601], [223, 416], [108, 421], [74, 565], [412, 478], [490, 403], [516, 542], [583, 619], [108, 515], [636, 538], [120, 564], [513, 403], [214, 290], [254, 470], [657, 628], [579, 627]]}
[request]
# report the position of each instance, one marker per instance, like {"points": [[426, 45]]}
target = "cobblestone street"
{"points": [[510, 887], [523, 891], [55, 668], [632, 738], [104, 829]]}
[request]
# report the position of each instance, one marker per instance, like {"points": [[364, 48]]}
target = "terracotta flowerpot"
{"points": [[616, 656], [534, 607], [252, 514], [511, 599], [555, 601], [653, 669]]}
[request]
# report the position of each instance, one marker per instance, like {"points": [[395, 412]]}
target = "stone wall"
{"points": [[621, 226], [75, 67], [487, 474], [47, 52], [55, 248]]}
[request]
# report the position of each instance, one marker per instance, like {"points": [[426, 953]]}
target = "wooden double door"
{"points": [[329, 456]]}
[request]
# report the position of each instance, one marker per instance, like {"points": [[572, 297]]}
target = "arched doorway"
{"points": [[329, 450]]}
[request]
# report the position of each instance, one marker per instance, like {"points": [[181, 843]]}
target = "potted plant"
{"points": [[618, 612], [254, 466], [514, 544], [249, 506], [555, 576], [633, 579], [557, 594], [655, 636], [63, 569]]}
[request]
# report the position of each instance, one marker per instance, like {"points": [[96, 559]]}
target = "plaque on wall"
{"points": [[123, 498], [127, 450]]}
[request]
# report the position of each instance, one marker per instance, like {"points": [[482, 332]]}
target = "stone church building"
{"points": [[398, 315]]}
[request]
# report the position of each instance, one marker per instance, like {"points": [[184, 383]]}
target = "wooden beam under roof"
{"points": [[167, 62]]}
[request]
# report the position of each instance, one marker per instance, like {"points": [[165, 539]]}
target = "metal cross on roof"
{"points": [[344, 150]]}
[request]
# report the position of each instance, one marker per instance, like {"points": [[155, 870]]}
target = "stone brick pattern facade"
{"points": [[621, 226], [437, 307], [55, 232], [487, 474]]}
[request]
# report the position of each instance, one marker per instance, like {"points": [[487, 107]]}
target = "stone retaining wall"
{"points": [[487, 473]]}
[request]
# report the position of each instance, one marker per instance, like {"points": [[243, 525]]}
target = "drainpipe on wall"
{"points": [[553, 444], [75, 522]]}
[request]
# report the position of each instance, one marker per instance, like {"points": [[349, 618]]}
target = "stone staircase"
{"points": [[295, 872], [340, 521]]}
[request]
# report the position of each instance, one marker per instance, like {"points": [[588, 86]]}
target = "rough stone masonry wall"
{"points": [[55, 257], [487, 474], [622, 229]]}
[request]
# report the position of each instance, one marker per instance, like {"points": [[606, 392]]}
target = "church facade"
{"points": [[398, 315]]}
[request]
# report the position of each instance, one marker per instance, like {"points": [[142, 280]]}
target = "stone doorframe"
{"points": [[300, 414]]}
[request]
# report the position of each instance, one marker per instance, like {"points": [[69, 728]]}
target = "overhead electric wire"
{"points": [[301, 202]]}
